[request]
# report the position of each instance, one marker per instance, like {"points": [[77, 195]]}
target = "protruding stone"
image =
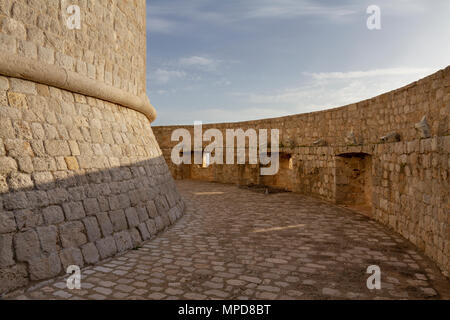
{"points": [[350, 138], [320, 143], [423, 128], [390, 137]]}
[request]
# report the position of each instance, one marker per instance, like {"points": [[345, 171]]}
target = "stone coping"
{"points": [[16, 66]]}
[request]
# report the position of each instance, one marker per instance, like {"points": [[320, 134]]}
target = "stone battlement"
{"points": [[370, 156]]}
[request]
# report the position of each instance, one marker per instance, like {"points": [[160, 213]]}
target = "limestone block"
{"points": [[91, 206], [132, 217], [45, 267], [142, 214], [57, 148], [7, 165], [20, 181], [7, 222], [26, 245], [17, 100], [72, 234], [123, 241], [6, 250], [106, 247], [118, 220], [154, 225], [135, 237], [53, 215], [105, 223], [90, 253], [145, 235], [22, 86], [48, 237], [92, 229], [15, 200], [74, 210]]}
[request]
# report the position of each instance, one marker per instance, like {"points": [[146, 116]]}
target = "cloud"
{"points": [[162, 76], [199, 62], [334, 89], [369, 73]]}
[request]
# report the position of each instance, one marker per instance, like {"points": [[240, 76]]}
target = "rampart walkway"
{"points": [[240, 244]]}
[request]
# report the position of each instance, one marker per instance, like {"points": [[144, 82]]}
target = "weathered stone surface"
{"points": [[132, 217], [145, 235], [105, 224], [74, 210], [6, 250], [123, 241], [7, 165], [65, 156], [118, 220], [72, 234], [57, 148], [45, 267], [7, 222], [13, 277], [106, 247], [92, 229], [48, 237], [27, 245], [423, 128], [90, 253], [53, 215], [71, 256]]}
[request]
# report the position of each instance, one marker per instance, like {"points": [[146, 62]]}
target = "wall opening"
{"points": [[354, 181], [285, 176]]}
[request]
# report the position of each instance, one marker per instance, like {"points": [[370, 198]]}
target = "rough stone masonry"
{"points": [[81, 177]]}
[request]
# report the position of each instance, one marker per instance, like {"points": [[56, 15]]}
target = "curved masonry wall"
{"points": [[403, 184], [81, 179]]}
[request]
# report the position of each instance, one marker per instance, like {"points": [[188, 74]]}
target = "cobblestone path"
{"points": [[239, 244]]}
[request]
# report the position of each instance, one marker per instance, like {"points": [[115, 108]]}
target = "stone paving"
{"points": [[236, 243]]}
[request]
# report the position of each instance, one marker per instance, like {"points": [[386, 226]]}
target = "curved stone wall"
{"points": [[402, 180], [81, 178]]}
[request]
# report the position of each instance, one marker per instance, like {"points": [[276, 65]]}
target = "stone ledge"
{"points": [[15, 66]]}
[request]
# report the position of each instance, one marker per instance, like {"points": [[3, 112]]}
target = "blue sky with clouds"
{"points": [[229, 60]]}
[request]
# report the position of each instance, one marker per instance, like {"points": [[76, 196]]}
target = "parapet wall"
{"points": [[403, 181], [81, 175]]}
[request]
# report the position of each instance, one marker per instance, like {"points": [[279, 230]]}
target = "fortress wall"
{"points": [[81, 179], [403, 184], [110, 47]]}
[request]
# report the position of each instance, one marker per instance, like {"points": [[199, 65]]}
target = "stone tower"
{"points": [[81, 175]]}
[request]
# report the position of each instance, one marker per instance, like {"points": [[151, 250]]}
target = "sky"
{"points": [[229, 60]]}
